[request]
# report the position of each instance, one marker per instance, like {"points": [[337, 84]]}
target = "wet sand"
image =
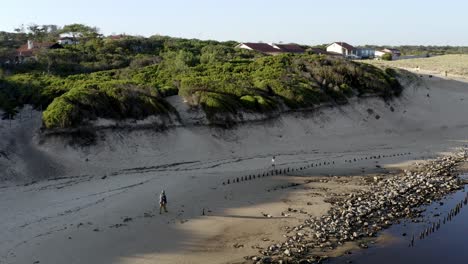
{"points": [[103, 207]]}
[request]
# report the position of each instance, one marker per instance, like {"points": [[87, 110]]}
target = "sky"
{"points": [[395, 22]]}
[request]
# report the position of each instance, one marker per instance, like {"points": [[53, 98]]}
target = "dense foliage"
{"points": [[128, 77], [113, 100], [387, 57], [298, 81]]}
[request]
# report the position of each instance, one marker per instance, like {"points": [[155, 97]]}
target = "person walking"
{"points": [[162, 202], [273, 160]]}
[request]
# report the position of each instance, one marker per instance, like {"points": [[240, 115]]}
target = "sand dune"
{"points": [[103, 210]]}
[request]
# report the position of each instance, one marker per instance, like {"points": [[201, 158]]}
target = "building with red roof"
{"points": [[30, 50], [271, 49]]}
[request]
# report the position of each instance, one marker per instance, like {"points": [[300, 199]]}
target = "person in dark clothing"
{"points": [[162, 202]]}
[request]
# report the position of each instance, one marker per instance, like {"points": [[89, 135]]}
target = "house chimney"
{"points": [[30, 44]]}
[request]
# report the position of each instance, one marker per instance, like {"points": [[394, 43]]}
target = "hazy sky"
{"points": [[392, 22]]}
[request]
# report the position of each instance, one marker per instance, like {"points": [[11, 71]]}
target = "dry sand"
{"points": [[455, 65], [84, 218]]}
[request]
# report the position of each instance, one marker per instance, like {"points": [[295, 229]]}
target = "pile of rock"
{"points": [[364, 213]]}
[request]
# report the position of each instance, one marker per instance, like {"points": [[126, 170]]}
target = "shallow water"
{"points": [[449, 244]]}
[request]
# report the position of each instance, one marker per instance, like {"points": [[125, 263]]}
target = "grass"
{"points": [[453, 64]]}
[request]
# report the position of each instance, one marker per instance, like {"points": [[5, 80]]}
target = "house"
{"points": [[394, 52], [289, 48], [259, 47], [66, 41], [365, 53], [271, 49], [344, 49], [379, 53], [316, 51], [319, 51], [29, 51], [349, 51]]}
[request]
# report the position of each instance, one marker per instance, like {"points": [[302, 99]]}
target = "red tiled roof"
{"points": [[262, 47], [345, 45], [392, 50], [317, 50], [293, 48], [116, 37], [24, 51]]}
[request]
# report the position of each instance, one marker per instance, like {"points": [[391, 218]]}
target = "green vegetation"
{"points": [[129, 77], [113, 100], [387, 57], [298, 81]]}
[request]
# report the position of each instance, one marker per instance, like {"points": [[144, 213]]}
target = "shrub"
{"points": [[387, 57], [114, 100], [248, 101]]}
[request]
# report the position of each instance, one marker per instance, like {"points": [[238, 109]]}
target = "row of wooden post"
{"points": [[437, 225], [377, 157], [287, 170]]}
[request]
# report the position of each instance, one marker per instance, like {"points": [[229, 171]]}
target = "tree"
{"points": [[52, 31], [59, 61], [80, 31], [37, 33], [215, 53], [387, 57]]}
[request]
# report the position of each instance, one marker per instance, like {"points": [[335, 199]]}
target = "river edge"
{"points": [[444, 244], [318, 244]]}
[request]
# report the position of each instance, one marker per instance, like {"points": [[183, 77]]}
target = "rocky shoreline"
{"points": [[363, 214]]}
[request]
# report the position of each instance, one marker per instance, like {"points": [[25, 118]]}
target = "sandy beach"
{"points": [[100, 204]]}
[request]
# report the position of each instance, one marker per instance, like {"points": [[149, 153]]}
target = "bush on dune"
{"points": [[297, 80], [114, 100]]}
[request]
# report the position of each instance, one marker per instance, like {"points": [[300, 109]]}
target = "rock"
{"points": [[237, 245], [366, 212]]}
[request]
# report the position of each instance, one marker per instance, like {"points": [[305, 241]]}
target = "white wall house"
{"points": [[342, 48], [66, 41], [379, 53], [394, 52]]}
